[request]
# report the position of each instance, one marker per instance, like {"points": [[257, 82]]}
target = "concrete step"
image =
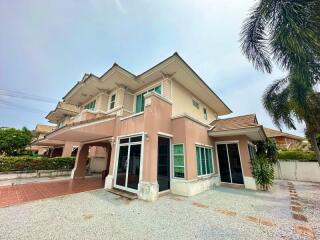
{"points": [[122, 193]]}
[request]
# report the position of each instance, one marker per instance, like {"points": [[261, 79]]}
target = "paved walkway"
{"points": [[15, 194]]}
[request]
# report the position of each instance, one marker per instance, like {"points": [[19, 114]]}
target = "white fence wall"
{"points": [[297, 171]]}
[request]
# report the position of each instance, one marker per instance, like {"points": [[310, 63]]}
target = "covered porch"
{"points": [[91, 138]]}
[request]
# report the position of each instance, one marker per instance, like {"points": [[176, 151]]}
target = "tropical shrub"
{"points": [[262, 170], [288, 154], [29, 163]]}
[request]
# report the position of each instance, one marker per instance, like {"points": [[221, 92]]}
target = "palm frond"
{"points": [[254, 39], [276, 100]]}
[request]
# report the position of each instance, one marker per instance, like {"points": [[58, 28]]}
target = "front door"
{"points": [[229, 163], [163, 163], [128, 167]]}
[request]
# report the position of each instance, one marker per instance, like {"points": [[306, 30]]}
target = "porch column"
{"points": [[67, 149], [79, 169], [110, 178]]}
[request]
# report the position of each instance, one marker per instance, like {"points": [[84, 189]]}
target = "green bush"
{"points": [[29, 163], [287, 154], [263, 171]]}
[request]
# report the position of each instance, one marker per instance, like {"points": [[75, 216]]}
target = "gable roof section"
{"points": [[171, 65], [239, 122], [240, 125], [271, 133]]}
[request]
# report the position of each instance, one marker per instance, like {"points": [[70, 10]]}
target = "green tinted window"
{"points": [[178, 158], [112, 101], [204, 160], [91, 105]]}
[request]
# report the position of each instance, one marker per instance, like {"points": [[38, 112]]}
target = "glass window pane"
{"points": [[198, 160], [113, 97], [209, 160], [179, 172], [178, 160], [122, 166], [136, 139], [124, 140], [138, 103], [178, 149], [158, 89], [134, 166], [203, 161]]}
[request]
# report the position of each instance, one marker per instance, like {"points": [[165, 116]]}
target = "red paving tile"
{"points": [[10, 195]]}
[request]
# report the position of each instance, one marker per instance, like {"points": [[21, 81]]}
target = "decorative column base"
{"points": [[250, 183], [108, 184], [148, 191]]}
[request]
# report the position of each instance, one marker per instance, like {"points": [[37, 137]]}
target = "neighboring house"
{"points": [[157, 131], [40, 131], [283, 140]]}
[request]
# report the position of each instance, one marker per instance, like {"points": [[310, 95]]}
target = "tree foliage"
{"points": [[268, 149], [287, 32], [14, 141]]}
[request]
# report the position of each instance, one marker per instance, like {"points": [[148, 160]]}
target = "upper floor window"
{"points": [[112, 101], [195, 103], [205, 114], [140, 98], [91, 105]]}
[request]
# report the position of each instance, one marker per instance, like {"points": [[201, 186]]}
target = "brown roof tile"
{"points": [[275, 133], [41, 128], [239, 122]]}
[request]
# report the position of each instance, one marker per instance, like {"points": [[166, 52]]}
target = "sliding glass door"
{"points": [[229, 163], [128, 165]]}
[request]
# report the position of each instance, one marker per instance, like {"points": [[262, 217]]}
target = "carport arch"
{"points": [[79, 169]]}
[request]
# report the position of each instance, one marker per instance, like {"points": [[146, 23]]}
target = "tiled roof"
{"points": [[275, 133], [41, 128], [239, 122]]}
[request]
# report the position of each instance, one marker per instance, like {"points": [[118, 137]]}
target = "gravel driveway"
{"points": [[223, 213]]}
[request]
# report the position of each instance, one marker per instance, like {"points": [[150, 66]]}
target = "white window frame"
{"points": [[115, 98], [205, 147], [197, 101], [146, 90], [184, 161], [217, 157], [116, 160]]}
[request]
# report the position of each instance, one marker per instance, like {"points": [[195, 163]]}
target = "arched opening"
{"points": [[93, 151]]}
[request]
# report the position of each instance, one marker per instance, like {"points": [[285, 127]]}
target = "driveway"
{"points": [[223, 213], [20, 193]]}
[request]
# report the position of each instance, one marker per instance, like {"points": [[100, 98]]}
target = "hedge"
{"points": [[29, 163], [296, 155]]}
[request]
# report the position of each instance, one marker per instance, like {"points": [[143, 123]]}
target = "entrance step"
{"points": [[128, 195], [232, 185]]}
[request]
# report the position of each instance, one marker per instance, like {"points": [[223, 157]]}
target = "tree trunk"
{"points": [[315, 145]]}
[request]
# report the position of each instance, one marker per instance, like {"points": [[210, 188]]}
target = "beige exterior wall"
{"points": [[182, 104], [102, 102]]}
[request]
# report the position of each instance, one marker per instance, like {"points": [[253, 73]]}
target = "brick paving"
{"points": [[20, 193]]}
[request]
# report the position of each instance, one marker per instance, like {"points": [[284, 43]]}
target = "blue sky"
{"points": [[47, 46]]}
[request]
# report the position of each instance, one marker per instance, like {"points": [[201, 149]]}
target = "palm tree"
{"points": [[280, 102], [286, 32]]}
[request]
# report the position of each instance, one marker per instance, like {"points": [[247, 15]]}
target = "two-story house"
{"points": [[159, 131]]}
